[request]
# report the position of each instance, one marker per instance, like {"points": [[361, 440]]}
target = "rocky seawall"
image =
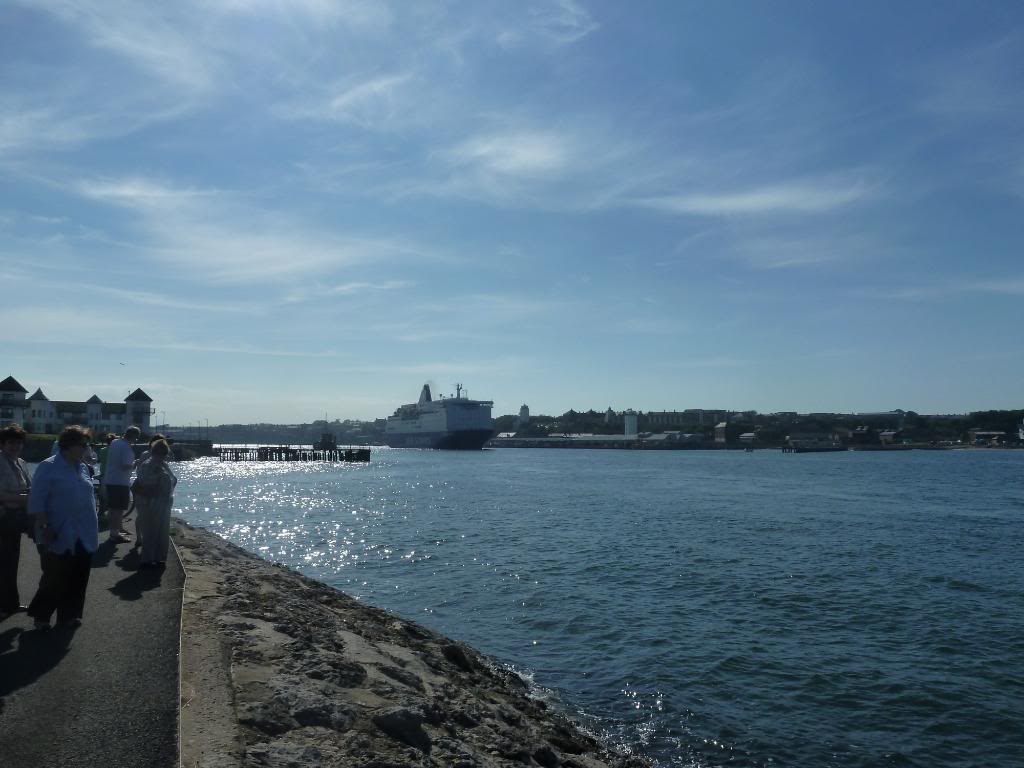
{"points": [[281, 670]]}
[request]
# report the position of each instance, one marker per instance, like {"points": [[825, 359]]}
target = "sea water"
{"points": [[702, 608]]}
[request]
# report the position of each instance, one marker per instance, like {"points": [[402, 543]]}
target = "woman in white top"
{"points": [[15, 482], [154, 496]]}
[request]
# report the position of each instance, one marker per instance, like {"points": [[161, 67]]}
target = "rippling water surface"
{"points": [[702, 608]]}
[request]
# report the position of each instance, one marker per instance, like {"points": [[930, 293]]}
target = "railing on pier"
{"points": [[291, 453]]}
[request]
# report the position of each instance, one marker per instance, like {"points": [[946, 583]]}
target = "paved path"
{"points": [[105, 694]]}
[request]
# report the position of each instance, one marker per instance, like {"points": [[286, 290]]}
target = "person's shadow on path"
{"points": [[134, 586], [36, 653], [130, 560], [104, 554]]}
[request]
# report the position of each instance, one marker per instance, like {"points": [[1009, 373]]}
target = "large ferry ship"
{"points": [[453, 423]]}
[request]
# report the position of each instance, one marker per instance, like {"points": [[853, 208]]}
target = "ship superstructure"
{"points": [[453, 423]]}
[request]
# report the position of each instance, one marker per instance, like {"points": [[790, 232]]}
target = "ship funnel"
{"points": [[425, 394]]}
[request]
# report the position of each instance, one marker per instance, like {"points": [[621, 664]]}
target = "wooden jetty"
{"points": [[291, 453]]}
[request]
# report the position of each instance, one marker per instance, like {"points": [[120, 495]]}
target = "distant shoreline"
{"points": [[642, 445]]}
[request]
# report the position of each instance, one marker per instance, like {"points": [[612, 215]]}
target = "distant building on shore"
{"points": [[523, 420], [986, 436], [39, 414], [691, 417], [679, 420], [629, 417]]}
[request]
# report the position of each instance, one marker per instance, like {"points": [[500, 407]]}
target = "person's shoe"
{"points": [[70, 623], [118, 538], [41, 625]]}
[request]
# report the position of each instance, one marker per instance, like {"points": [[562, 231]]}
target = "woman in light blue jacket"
{"points": [[64, 505]]}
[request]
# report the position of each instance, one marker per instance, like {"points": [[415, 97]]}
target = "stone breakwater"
{"points": [[281, 670]]}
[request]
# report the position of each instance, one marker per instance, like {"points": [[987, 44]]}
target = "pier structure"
{"points": [[291, 453]]}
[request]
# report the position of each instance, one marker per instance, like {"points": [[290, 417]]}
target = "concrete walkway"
{"points": [[106, 693]]}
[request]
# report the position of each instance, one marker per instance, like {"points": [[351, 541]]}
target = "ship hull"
{"points": [[463, 440]]}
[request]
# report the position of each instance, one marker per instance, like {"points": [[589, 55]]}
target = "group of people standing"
{"points": [[56, 507]]}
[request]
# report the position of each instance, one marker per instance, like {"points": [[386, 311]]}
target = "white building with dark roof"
{"points": [[41, 415]]}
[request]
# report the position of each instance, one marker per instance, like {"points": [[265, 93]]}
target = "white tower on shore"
{"points": [[524, 417], [630, 419]]}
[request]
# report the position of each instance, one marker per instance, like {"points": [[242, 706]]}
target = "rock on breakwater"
{"points": [[281, 670]]}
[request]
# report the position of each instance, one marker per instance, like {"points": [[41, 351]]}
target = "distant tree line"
{"points": [[773, 429], [347, 432], [770, 429]]}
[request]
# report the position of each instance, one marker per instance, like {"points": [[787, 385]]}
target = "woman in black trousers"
{"points": [[15, 482], [64, 505]]}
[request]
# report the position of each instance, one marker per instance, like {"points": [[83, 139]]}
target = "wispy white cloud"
{"points": [[363, 103], [349, 289], [193, 47], [1012, 286], [140, 298], [168, 301], [420, 335], [144, 194], [525, 154], [239, 349], [566, 21], [554, 168], [798, 247], [494, 307], [560, 22], [159, 62], [225, 237], [51, 325], [792, 197], [24, 126], [355, 288], [148, 36], [68, 119], [120, 67], [375, 102], [361, 14]]}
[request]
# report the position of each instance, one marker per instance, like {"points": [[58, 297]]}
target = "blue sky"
{"points": [[272, 210]]}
